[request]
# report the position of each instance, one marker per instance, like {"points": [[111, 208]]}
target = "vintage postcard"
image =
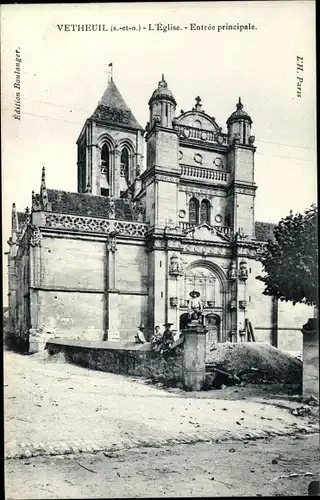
{"points": [[161, 261]]}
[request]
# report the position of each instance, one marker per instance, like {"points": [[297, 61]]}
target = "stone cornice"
{"points": [[238, 187], [234, 146], [155, 128], [160, 173]]}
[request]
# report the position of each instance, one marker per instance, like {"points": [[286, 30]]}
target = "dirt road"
{"points": [[62, 419], [203, 469]]}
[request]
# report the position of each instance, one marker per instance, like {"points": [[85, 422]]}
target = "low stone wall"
{"points": [[183, 365], [123, 358]]}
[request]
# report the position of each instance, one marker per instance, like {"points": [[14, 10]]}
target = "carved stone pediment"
{"points": [[205, 232]]}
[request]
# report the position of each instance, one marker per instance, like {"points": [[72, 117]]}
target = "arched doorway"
{"points": [[213, 324], [184, 320]]}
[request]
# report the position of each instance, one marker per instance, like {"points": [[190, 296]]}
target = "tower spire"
{"points": [[110, 72]]}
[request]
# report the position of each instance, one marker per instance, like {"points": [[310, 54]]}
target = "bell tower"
{"points": [[242, 188], [110, 147], [163, 171]]}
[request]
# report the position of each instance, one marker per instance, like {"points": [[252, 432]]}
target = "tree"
{"points": [[290, 262]]}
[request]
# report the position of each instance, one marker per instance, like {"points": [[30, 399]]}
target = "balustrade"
{"points": [[204, 173]]}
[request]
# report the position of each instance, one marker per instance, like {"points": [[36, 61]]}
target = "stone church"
{"points": [[144, 230]]}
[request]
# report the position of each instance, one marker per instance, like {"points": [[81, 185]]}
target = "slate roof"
{"points": [[162, 92], [112, 108], [264, 231], [64, 202], [238, 114]]}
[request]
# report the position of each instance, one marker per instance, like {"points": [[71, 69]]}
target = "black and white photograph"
{"points": [[160, 250]]}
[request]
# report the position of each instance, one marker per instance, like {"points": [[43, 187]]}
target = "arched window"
{"points": [[193, 211], [105, 161], [197, 124], [124, 170], [124, 164], [205, 212]]}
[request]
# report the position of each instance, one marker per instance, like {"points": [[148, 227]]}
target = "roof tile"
{"points": [[89, 205]]}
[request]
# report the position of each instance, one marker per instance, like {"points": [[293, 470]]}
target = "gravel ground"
{"points": [[52, 407], [75, 433], [244, 468]]}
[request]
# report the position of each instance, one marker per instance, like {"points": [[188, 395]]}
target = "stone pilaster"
{"points": [[112, 292], [194, 367], [37, 338]]}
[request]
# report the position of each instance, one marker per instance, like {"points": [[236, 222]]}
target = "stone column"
{"points": [[194, 367], [310, 382], [116, 171], [112, 293], [37, 339]]}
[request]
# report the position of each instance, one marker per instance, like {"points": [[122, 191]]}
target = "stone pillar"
{"points": [[112, 293], [194, 367], [274, 322], [310, 382], [37, 338], [113, 315]]}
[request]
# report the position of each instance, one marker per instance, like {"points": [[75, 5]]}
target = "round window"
{"points": [[198, 158]]}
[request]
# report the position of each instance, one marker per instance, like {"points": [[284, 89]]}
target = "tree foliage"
{"points": [[290, 262]]}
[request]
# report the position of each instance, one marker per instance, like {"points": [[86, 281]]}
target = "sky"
{"points": [[63, 74]]}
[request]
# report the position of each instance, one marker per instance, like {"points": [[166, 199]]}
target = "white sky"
{"points": [[63, 75]]}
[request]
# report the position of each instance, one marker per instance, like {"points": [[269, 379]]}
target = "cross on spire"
{"points": [[198, 103], [110, 71]]}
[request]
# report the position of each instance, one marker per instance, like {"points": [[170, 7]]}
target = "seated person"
{"points": [[156, 337], [140, 338], [167, 337]]}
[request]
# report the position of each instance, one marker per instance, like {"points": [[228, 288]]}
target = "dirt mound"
{"points": [[255, 363]]}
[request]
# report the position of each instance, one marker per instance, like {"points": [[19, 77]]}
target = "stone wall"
{"points": [[122, 358], [290, 320], [258, 305], [74, 280], [72, 315], [73, 264]]}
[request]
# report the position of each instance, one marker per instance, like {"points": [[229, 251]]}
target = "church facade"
{"points": [[145, 230]]}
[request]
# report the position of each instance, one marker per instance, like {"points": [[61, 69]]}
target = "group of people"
{"points": [[163, 341], [159, 341]]}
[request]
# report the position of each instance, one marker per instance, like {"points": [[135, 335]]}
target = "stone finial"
{"points": [[27, 218], [162, 82], [36, 202], [239, 104], [43, 189], [14, 219]]}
